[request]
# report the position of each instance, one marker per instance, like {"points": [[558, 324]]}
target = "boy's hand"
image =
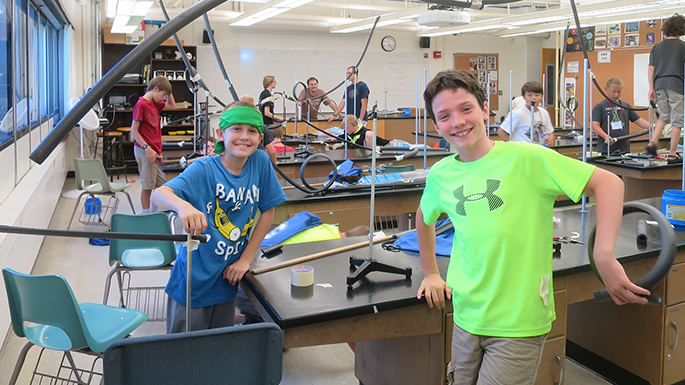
{"points": [[618, 285], [433, 287], [652, 95], [236, 271], [151, 155], [194, 221]]}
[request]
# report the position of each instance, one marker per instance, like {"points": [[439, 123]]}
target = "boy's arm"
{"points": [[650, 79], [503, 134], [362, 110], [597, 129], [194, 221], [433, 287], [237, 269], [271, 150], [642, 123], [337, 110], [170, 103], [608, 191]]}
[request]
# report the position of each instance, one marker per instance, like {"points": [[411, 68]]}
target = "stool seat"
{"points": [[124, 129], [109, 134]]}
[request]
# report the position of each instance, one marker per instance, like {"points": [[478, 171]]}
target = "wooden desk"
{"points": [[401, 341], [644, 178], [320, 167]]}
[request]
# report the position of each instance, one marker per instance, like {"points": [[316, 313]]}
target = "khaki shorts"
{"points": [[670, 105], [482, 360], [151, 174]]}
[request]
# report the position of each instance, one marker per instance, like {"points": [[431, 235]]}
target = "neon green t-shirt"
{"points": [[501, 207], [322, 232]]}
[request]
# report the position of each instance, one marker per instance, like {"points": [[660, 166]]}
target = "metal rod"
{"points": [[372, 208], [94, 234], [425, 128], [585, 84]]}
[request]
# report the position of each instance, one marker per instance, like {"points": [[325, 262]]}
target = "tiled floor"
{"points": [[85, 268]]}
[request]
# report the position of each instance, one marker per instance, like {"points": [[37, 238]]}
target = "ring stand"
{"points": [[369, 265]]}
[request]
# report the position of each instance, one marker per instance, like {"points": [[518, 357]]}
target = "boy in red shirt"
{"points": [[147, 133]]}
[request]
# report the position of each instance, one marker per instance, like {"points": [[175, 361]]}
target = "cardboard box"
{"points": [[171, 42], [113, 38]]}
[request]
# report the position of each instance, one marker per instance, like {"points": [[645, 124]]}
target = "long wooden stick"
{"points": [[321, 254]]}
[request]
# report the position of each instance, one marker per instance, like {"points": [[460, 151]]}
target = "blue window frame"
{"points": [[6, 134]]}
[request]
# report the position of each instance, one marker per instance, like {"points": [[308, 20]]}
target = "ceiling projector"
{"points": [[444, 18]]}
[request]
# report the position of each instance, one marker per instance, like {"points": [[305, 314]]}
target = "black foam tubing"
{"points": [[219, 61], [663, 262], [309, 189], [630, 136], [189, 67], [64, 126], [104, 235]]}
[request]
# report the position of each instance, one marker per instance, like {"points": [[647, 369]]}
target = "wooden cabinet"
{"points": [[673, 349], [551, 370]]}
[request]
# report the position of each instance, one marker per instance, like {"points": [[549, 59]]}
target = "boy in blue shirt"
{"points": [[219, 196], [500, 197]]}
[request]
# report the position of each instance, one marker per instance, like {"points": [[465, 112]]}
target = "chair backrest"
{"points": [[243, 354], [45, 300], [156, 223], [399, 168], [93, 170]]}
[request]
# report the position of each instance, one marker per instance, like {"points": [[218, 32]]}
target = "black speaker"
{"points": [[205, 36], [425, 42]]}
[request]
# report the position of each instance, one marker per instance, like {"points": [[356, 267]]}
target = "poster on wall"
{"points": [[492, 63], [473, 64], [493, 87], [481, 76], [492, 75], [572, 67], [604, 57], [571, 101], [650, 23], [614, 41], [481, 62], [614, 29], [650, 38], [632, 26], [600, 42], [632, 40], [574, 38], [601, 29]]}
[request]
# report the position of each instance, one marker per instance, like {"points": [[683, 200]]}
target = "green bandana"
{"points": [[238, 115], [241, 115]]}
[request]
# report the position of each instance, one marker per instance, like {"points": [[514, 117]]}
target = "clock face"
{"points": [[388, 43]]}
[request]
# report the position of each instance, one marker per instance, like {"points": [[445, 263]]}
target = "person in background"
{"points": [[220, 196], [208, 146], [147, 134], [360, 135], [357, 97], [280, 147], [267, 107], [665, 75], [518, 121], [268, 137], [612, 120], [310, 109], [500, 198]]}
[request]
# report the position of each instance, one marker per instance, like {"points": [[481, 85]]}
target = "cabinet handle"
{"points": [[675, 328], [557, 359]]}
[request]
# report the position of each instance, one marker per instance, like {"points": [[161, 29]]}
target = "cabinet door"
{"points": [[675, 284], [674, 351], [551, 371]]}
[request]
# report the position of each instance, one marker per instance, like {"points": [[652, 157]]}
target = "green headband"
{"points": [[241, 115], [238, 115]]}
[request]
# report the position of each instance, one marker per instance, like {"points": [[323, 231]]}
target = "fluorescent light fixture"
{"points": [[141, 8], [484, 25], [127, 13], [268, 11], [385, 20], [123, 28]]}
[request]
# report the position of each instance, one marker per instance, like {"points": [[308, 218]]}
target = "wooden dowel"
{"points": [[321, 254]]}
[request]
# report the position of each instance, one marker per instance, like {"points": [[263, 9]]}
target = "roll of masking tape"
{"points": [[302, 276]]}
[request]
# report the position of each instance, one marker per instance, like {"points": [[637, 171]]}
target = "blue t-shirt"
{"points": [[230, 203], [353, 106]]}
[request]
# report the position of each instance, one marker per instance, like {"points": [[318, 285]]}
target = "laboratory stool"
{"points": [[111, 160]]}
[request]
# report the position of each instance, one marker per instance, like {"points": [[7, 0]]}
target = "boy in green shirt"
{"points": [[500, 198]]}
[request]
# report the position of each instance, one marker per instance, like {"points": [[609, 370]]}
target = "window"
{"points": [[6, 133]]}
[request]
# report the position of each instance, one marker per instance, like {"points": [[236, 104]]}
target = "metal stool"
{"points": [[127, 160], [112, 161]]}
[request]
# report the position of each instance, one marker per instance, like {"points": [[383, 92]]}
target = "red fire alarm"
{"points": [[425, 55], [437, 54]]}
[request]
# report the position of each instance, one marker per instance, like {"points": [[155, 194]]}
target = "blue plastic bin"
{"points": [[673, 206], [93, 207]]}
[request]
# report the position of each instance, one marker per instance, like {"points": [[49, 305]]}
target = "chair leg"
{"points": [[78, 201], [130, 202], [20, 362], [108, 285], [73, 367], [121, 289]]}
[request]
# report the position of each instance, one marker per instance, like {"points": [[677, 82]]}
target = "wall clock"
{"points": [[388, 43]]}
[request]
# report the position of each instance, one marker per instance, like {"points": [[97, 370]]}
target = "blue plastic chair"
{"points": [[93, 170], [128, 255], [44, 310], [236, 355]]}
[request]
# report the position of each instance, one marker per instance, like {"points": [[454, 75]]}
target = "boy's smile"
{"points": [[241, 140], [461, 121]]}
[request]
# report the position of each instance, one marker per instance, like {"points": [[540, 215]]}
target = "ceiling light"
{"points": [[385, 20], [128, 13], [266, 12]]}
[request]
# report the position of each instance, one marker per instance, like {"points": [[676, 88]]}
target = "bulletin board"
{"points": [[482, 65], [629, 44]]}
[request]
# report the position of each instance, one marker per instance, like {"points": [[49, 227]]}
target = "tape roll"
{"points": [[302, 276]]}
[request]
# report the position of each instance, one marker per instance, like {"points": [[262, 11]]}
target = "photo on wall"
{"points": [[650, 38], [601, 29], [614, 29], [600, 42], [650, 23], [632, 40], [632, 26], [473, 64], [481, 62], [492, 63], [614, 41]]}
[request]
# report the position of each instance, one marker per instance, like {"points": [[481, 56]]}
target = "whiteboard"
{"points": [[641, 80], [246, 67]]}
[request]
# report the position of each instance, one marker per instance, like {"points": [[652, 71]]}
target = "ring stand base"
{"points": [[367, 266]]}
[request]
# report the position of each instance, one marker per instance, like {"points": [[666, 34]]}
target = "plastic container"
{"points": [[93, 207], [673, 206], [406, 111]]}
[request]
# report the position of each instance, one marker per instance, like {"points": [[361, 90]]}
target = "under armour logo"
{"points": [[494, 201]]}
